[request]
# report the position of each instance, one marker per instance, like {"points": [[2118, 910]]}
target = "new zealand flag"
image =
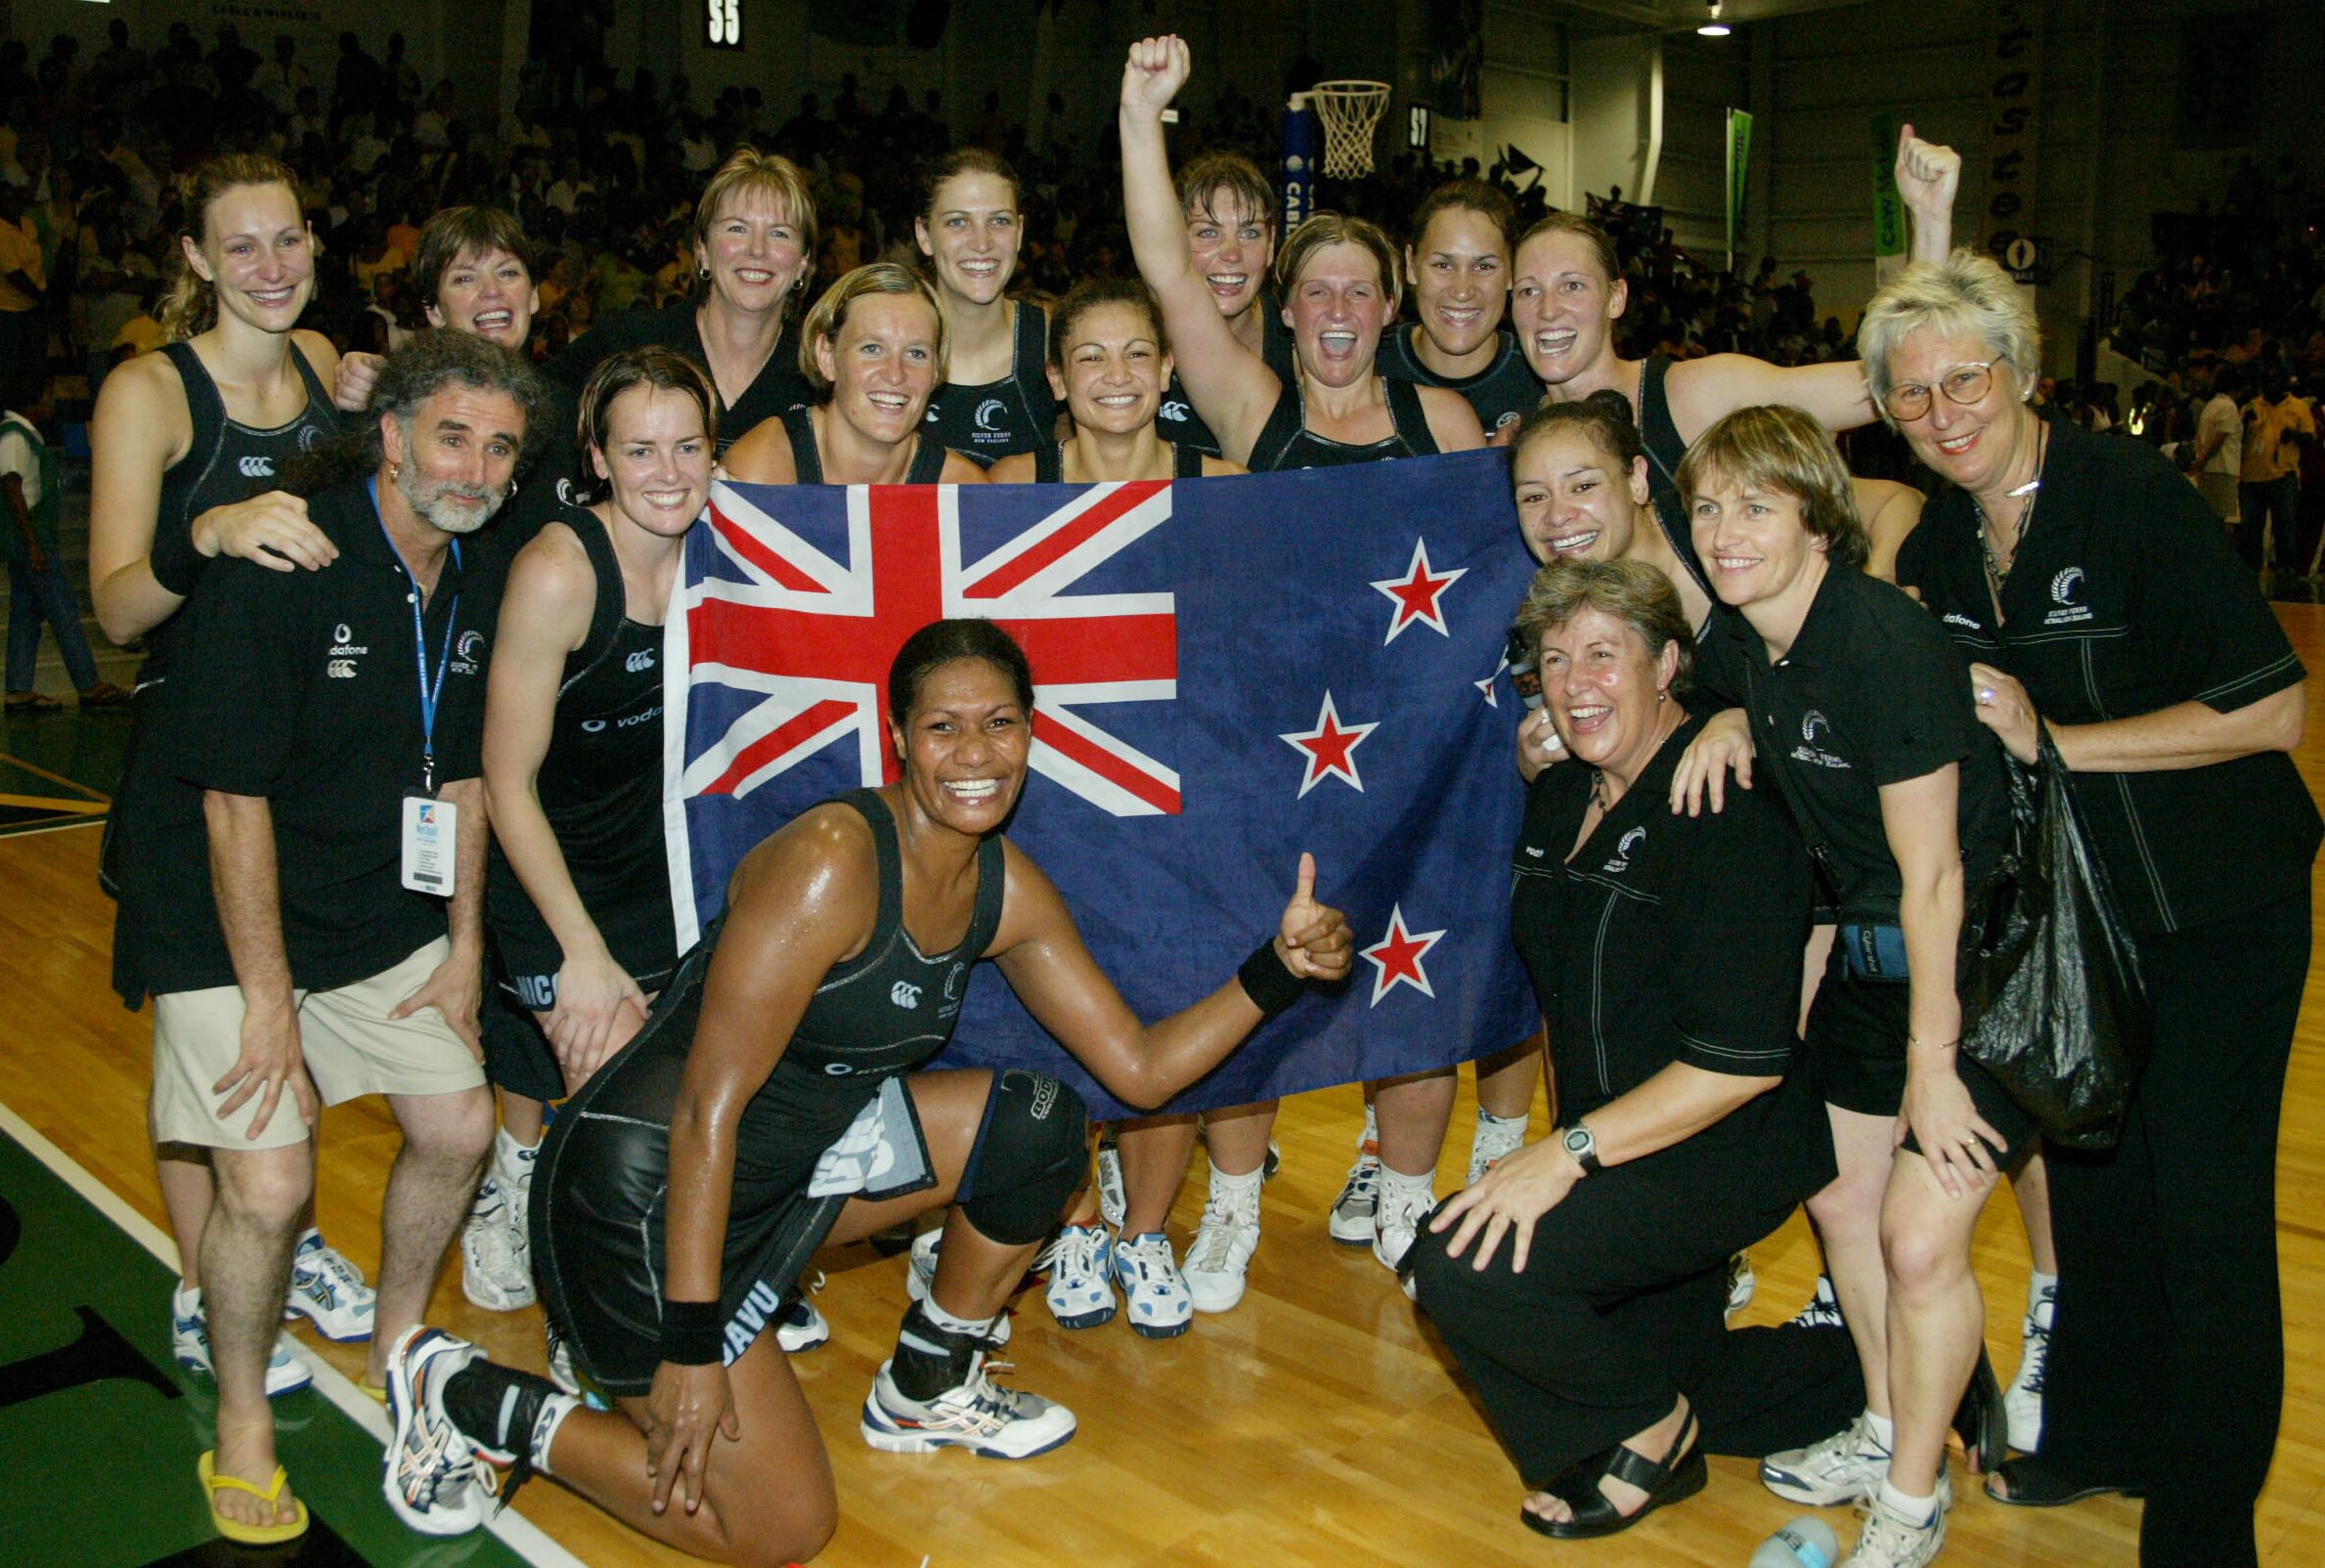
{"points": [[1227, 671]]}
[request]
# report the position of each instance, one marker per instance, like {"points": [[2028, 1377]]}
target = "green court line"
{"points": [[102, 1429]]}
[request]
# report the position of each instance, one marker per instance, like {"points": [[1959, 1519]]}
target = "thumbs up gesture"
{"points": [[1313, 938]]}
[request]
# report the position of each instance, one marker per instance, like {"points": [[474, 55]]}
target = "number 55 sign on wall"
{"points": [[722, 24]]}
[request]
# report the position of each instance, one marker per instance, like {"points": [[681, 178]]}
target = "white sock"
{"points": [[1236, 1192], [2041, 1290], [186, 1299], [1486, 1120], [938, 1318], [512, 1161], [555, 1408], [1915, 1511], [1881, 1429], [1397, 1185]]}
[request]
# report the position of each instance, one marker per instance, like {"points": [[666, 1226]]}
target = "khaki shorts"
{"points": [[2219, 493], [352, 1048]]}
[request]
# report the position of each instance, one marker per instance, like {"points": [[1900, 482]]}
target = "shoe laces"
{"points": [[1079, 1250], [1215, 1238], [1887, 1538], [496, 1251], [1143, 1256], [325, 1259], [1364, 1182]]}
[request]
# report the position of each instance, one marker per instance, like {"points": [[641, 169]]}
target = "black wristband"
{"points": [[693, 1333], [1267, 982]]}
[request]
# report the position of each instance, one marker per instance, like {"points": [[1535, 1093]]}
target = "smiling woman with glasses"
{"points": [[2099, 601]]}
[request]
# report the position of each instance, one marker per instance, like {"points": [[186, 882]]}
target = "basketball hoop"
{"points": [[1350, 111]]}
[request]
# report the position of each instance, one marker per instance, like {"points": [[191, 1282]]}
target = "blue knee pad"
{"points": [[1031, 1156]]}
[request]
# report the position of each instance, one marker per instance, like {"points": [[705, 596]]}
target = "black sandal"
{"points": [[1982, 1422], [1679, 1474], [2035, 1485]]}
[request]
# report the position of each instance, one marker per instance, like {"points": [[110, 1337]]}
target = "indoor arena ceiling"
{"points": [[1680, 16]]}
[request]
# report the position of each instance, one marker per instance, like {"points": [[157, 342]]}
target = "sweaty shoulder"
{"points": [[822, 865]]}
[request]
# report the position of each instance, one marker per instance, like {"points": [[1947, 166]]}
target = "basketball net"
{"points": [[1350, 111]]}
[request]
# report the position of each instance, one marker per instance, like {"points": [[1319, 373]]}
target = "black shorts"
{"points": [[517, 1056], [526, 956], [601, 1188], [1857, 1052]]}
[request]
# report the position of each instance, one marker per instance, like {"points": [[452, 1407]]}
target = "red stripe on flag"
{"points": [[775, 742], [1070, 745], [755, 551], [1011, 574]]}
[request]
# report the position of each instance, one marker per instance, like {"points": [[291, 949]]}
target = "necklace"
{"points": [[1998, 571]]}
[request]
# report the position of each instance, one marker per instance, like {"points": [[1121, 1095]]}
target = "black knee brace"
{"points": [[1031, 1155]]}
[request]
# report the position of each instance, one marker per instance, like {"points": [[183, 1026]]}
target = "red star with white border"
{"points": [[1397, 958], [1416, 594], [1329, 748]]}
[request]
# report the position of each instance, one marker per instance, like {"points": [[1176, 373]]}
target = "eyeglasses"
{"points": [[1964, 385]]}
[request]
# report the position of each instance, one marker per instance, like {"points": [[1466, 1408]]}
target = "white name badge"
{"points": [[431, 844]]}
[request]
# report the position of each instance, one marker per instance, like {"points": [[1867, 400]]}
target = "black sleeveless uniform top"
{"points": [[1285, 442], [1176, 420], [226, 461], [600, 787], [1049, 463], [994, 419], [779, 384], [1660, 438], [1502, 393], [928, 455]]}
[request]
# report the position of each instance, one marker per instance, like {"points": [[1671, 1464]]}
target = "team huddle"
{"points": [[392, 823]]}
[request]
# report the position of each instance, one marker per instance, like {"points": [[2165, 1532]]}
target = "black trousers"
{"points": [[1621, 1306], [2168, 1358]]}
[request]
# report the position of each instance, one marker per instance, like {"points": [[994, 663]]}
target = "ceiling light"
{"points": [[1714, 28]]}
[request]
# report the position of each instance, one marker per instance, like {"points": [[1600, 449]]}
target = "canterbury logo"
{"points": [[1176, 412], [258, 467], [904, 994], [638, 661], [341, 669]]}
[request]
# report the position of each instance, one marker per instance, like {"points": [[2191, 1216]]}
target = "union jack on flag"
{"points": [[1227, 671]]}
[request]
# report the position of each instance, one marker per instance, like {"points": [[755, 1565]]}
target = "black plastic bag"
{"points": [[2051, 999]]}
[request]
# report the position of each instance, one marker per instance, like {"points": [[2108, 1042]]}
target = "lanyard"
{"points": [[429, 691]]}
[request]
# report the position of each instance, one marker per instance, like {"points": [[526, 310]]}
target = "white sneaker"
{"points": [[2022, 1401], [1491, 1141], [286, 1372], [1824, 1310], [1399, 1218], [560, 1358], [1111, 1204], [495, 1270], [1845, 1468], [327, 1290], [799, 1325], [430, 1481], [920, 1277], [1219, 1254], [997, 1423], [1889, 1539], [1080, 1293], [1354, 1210], [1160, 1305], [1742, 1283]]}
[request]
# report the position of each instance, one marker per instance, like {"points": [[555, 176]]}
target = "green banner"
{"points": [[1739, 157], [1888, 208]]}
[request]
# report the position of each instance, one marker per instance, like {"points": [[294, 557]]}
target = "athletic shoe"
{"points": [[1844, 1468], [1354, 1212], [994, 1422], [495, 1270], [921, 1278], [1890, 1540], [798, 1325], [1824, 1310], [2023, 1401], [286, 1373], [1219, 1254], [1400, 1216], [1491, 1141], [1112, 1205], [1081, 1296], [1159, 1306], [327, 1290], [1742, 1283], [430, 1480]]}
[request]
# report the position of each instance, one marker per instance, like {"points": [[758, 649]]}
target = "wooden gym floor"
{"points": [[1317, 1423]]}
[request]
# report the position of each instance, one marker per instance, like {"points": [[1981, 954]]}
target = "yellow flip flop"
{"points": [[237, 1530], [376, 1393]]}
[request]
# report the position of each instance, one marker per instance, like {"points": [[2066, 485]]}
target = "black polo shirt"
{"points": [[1670, 939], [1502, 393], [303, 687], [2126, 597], [779, 384], [1871, 693]]}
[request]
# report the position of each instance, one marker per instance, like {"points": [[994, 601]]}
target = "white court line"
{"points": [[52, 827], [516, 1532]]}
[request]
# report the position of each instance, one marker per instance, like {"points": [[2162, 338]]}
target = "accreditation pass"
{"points": [[431, 844]]}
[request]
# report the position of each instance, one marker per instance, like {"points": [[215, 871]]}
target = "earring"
{"points": [[1664, 695], [703, 273]]}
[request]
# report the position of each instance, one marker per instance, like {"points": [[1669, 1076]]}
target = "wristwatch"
{"points": [[1582, 1144]]}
